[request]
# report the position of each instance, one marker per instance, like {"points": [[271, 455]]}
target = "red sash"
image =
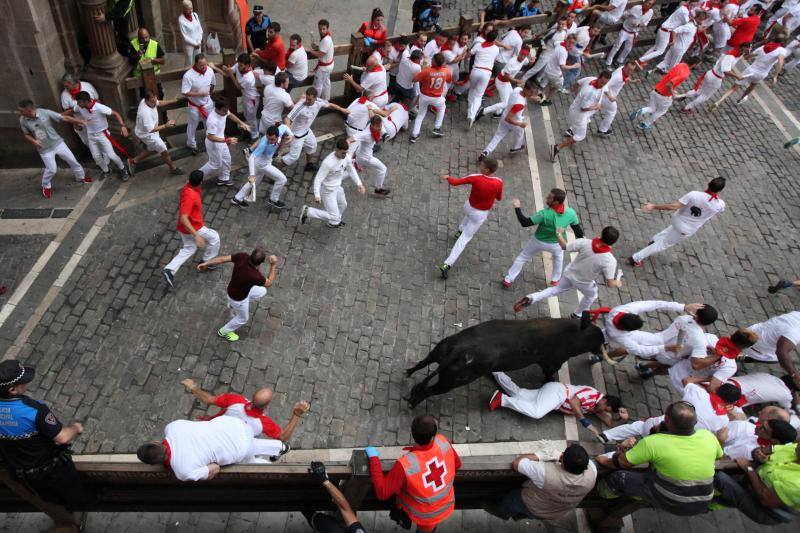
{"points": [[201, 109], [115, 144]]}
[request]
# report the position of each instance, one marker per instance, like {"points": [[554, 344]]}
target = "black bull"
{"points": [[503, 346]]}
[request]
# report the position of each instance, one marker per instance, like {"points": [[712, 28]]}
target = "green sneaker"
{"points": [[789, 144], [230, 336]]}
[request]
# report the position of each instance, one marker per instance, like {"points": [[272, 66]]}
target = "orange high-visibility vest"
{"points": [[428, 495]]}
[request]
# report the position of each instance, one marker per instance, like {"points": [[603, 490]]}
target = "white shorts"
{"points": [[556, 82], [154, 143]]}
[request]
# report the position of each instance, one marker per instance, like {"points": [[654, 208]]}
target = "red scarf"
{"points": [[645, 9], [720, 406], [446, 47], [190, 18], [564, 44], [253, 411], [487, 44], [363, 100], [593, 83], [761, 440], [404, 106], [74, 92], [289, 52], [770, 47], [595, 313], [625, 77], [558, 208], [202, 72], [376, 135], [713, 195], [376, 68], [91, 105], [726, 348], [617, 320], [599, 247], [169, 454]]}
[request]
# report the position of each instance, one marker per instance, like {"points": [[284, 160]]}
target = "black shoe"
{"points": [[444, 269], [515, 150], [553, 152], [169, 277], [382, 192], [483, 155], [644, 372], [604, 133], [497, 115], [546, 103], [240, 203], [339, 225], [479, 115], [313, 167], [385, 137], [277, 204], [413, 138], [568, 133], [457, 234], [574, 316], [437, 132], [782, 284], [124, 175], [284, 450], [304, 214], [194, 151], [221, 183]]}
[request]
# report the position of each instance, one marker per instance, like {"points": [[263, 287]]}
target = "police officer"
{"points": [[34, 444]]}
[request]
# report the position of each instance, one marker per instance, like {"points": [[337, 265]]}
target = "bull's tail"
{"points": [[436, 355]]}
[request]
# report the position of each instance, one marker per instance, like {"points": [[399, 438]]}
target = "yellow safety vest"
{"points": [[152, 50]]}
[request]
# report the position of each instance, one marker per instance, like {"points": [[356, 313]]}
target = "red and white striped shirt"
{"points": [[587, 396]]}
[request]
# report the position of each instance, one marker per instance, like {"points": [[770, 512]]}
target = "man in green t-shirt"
{"points": [[773, 495], [555, 215], [680, 476]]}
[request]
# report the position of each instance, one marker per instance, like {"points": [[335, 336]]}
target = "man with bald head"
{"points": [[679, 478], [250, 411], [742, 439], [144, 50]]}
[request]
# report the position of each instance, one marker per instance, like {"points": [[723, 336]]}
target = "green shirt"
{"points": [[680, 457], [41, 127], [782, 474], [548, 220]]}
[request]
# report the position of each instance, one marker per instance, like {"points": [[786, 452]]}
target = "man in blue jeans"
{"points": [[552, 490]]}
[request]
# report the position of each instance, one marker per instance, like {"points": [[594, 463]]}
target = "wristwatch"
{"points": [[751, 469]]}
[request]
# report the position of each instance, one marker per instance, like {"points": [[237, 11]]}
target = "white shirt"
{"points": [[365, 143], [763, 62], [394, 57], [358, 116], [615, 83], [741, 441], [582, 39], [68, 102], [685, 331], [95, 119], [554, 40], [683, 35], [557, 59], [588, 95], [635, 20], [215, 124], [299, 61], [724, 64], [619, 8], [431, 49], [514, 40], [406, 72], [513, 66], [194, 82], [630, 339], [375, 81], [679, 17], [697, 208], [761, 387], [332, 171], [276, 101], [587, 265], [484, 55], [193, 446], [326, 47], [770, 332], [192, 32], [707, 417], [516, 105], [397, 119], [722, 370], [247, 82], [534, 470], [146, 120], [303, 115]]}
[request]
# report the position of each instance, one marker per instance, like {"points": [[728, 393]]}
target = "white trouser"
{"points": [[792, 63], [425, 102], [194, 120], [189, 52], [533, 247], [50, 168], [659, 47], [504, 90], [478, 81], [298, 146], [622, 46], [322, 82], [578, 123], [710, 84], [219, 161], [351, 132], [381, 101], [81, 133], [607, 113], [189, 248], [241, 309], [535, 403], [539, 65], [473, 220], [640, 428], [250, 106], [673, 57], [657, 107], [664, 239], [260, 167], [103, 152], [683, 369], [375, 164], [334, 204], [263, 448], [503, 129], [588, 292]]}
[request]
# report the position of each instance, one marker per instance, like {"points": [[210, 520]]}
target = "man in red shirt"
{"points": [[433, 83], [486, 188], [251, 412], [247, 283], [422, 479], [274, 50], [193, 232], [745, 27], [661, 96]]}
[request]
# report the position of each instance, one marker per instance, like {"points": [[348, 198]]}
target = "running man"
{"points": [[147, 130], [514, 121], [433, 84], [93, 114], [328, 187], [587, 102], [197, 85], [259, 163], [217, 144], [662, 95]]}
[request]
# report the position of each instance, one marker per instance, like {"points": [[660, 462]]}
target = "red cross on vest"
{"points": [[434, 474]]}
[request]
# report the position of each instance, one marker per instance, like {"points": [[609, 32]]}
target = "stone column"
{"points": [[102, 41]]}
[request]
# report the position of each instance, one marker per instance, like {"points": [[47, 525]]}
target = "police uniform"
{"points": [[27, 448]]}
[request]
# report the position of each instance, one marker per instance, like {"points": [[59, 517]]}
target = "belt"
{"points": [[668, 95], [200, 108], [715, 74], [482, 68], [352, 127], [381, 94], [628, 31], [303, 135], [664, 29]]}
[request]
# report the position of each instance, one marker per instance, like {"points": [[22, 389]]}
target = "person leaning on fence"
{"points": [[324, 522], [552, 489], [680, 477], [256, 29], [145, 50], [34, 444], [421, 479]]}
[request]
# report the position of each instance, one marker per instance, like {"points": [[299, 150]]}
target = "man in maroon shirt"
{"points": [[274, 50], [745, 27], [193, 232], [247, 283], [486, 188]]}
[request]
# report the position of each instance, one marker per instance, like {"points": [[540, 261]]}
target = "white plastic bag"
{"points": [[212, 44]]}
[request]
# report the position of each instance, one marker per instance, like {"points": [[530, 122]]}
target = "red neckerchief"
{"points": [[487, 44], [189, 17], [397, 45], [599, 247], [719, 405], [90, 106], [645, 9], [595, 313], [446, 47], [363, 100], [376, 135], [327, 34], [253, 411], [713, 195], [564, 44], [201, 72], [593, 83], [169, 454], [558, 208], [616, 320], [761, 440], [376, 68], [625, 77], [404, 106], [289, 52], [726, 348], [74, 92], [769, 47]]}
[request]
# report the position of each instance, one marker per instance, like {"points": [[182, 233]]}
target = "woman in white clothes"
{"points": [[191, 32]]}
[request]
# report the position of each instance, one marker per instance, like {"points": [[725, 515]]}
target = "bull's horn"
{"points": [[607, 358]]}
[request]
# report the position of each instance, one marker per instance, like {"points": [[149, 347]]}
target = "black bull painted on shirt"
{"points": [[503, 346]]}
